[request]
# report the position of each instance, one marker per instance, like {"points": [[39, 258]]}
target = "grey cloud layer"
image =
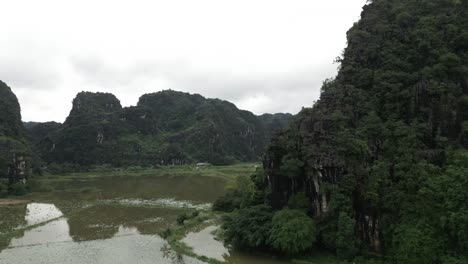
{"points": [[43, 88], [262, 55]]}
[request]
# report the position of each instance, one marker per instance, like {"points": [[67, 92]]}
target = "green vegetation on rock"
{"points": [[164, 128], [14, 150], [382, 156]]}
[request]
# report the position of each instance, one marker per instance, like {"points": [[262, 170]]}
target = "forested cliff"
{"points": [[380, 162], [14, 150], [166, 127]]}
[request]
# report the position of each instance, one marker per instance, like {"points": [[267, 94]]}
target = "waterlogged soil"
{"points": [[112, 220]]}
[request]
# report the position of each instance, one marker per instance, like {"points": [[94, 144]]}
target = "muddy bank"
{"points": [[13, 201]]}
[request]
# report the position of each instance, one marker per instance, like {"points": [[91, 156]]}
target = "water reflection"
{"points": [[94, 234], [121, 249], [52, 232], [37, 213], [105, 221], [11, 218], [112, 220], [204, 244]]}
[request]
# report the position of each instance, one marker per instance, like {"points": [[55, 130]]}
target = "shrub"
{"points": [[3, 190], [299, 201], [18, 189], [228, 202], [416, 243], [181, 218], [292, 231], [65, 168], [195, 214], [166, 233], [38, 186], [345, 237], [248, 227]]}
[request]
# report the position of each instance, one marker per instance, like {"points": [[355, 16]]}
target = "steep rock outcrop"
{"points": [[396, 108], [166, 127], [14, 150], [89, 134]]}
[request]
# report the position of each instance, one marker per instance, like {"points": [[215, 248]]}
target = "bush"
{"points": [[181, 218], [345, 237], [3, 167], [416, 243], [166, 233], [292, 231], [3, 190], [228, 202], [454, 260], [18, 189], [38, 186], [195, 214], [248, 227], [65, 168], [299, 201]]}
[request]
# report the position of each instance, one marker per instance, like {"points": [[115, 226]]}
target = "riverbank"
{"points": [[206, 227], [4, 202]]}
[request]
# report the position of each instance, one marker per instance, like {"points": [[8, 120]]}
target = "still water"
{"points": [[113, 220]]}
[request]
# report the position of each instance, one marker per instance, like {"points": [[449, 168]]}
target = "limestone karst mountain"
{"points": [[380, 161], [166, 127], [14, 149]]}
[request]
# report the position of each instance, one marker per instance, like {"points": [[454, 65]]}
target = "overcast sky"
{"points": [[263, 55]]}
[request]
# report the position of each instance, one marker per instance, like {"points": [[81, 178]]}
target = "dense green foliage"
{"points": [[292, 231], [249, 227], [167, 127], [382, 156], [10, 114]]}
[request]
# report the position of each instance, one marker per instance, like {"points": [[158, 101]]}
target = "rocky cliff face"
{"points": [[167, 127], [396, 109], [274, 123], [88, 135], [42, 138], [14, 150]]}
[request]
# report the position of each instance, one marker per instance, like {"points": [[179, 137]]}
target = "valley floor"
{"points": [[96, 210]]}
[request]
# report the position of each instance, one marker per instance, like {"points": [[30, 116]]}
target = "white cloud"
{"points": [[264, 55]]}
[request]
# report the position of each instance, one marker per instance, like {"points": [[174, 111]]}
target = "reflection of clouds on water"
{"points": [[57, 231], [52, 232], [126, 230], [142, 249], [165, 202], [37, 213], [204, 244], [115, 239]]}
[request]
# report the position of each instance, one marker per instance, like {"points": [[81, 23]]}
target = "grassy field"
{"points": [[44, 185], [228, 172]]}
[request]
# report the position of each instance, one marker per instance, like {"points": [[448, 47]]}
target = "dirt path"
{"points": [[12, 201]]}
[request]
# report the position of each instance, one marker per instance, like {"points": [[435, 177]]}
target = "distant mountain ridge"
{"points": [[166, 127]]}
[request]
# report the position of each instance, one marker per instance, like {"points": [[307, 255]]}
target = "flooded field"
{"points": [[112, 220]]}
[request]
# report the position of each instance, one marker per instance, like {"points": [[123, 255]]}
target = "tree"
{"points": [[292, 232], [249, 227], [416, 243], [345, 237]]}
